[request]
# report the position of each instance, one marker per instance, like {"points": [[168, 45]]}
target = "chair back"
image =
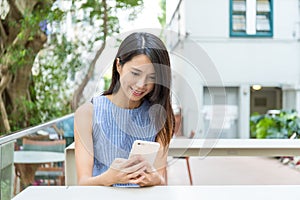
{"points": [[39, 145], [48, 171]]}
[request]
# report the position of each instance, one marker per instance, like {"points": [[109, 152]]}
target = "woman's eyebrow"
{"points": [[136, 69]]}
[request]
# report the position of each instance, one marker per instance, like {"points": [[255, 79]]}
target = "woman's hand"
{"points": [[149, 177], [127, 170]]}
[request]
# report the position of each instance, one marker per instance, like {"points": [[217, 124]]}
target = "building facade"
{"points": [[241, 56]]}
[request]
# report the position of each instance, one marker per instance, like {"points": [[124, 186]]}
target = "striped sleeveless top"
{"points": [[115, 129]]}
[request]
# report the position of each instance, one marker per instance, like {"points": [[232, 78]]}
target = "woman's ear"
{"points": [[118, 65]]}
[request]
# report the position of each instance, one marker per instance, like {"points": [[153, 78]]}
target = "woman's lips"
{"points": [[137, 92]]}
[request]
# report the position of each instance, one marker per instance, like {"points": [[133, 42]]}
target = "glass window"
{"points": [[251, 18], [220, 113]]}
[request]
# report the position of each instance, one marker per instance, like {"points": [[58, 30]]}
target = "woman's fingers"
{"points": [[132, 161], [136, 174], [118, 163], [138, 180], [136, 167], [150, 169]]}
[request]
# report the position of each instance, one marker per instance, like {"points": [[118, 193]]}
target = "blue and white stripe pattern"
{"points": [[115, 129]]}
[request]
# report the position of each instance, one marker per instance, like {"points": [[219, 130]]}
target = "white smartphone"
{"points": [[148, 150]]}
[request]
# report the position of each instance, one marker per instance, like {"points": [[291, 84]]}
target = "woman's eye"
{"points": [[135, 73], [151, 79]]}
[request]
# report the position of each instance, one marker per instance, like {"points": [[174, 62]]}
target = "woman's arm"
{"points": [[84, 153], [120, 171]]}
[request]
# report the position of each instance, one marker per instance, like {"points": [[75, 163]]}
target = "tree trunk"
{"points": [[14, 84], [79, 91], [5, 79], [4, 118], [18, 90]]}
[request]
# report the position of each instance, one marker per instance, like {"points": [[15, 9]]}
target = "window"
{"points": [[221, 111], [251, 18]]}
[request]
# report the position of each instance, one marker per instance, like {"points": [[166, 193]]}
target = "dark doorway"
{"points": [[267, 98]]}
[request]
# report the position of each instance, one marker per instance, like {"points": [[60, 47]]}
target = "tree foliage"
{"points": [[41, 54], [163, 16]]}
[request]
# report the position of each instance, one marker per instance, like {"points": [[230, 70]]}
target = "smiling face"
{"points": [[137, 79]]}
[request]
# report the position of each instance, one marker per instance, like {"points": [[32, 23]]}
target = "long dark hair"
{"points": [[150, 45]]}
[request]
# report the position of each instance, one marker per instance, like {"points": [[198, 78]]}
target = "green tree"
{"points": [[36, 68]]}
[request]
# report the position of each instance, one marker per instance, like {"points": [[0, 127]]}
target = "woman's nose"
{"points": [[141, 82]]}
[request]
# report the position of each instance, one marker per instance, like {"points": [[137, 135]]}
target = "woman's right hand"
{"points": [[127, 170]]}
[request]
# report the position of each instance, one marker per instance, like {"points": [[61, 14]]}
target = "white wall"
{"points": [[286, 16], [207, 18], [267, 63]]}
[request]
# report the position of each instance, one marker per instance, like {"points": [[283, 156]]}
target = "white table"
{"points": [[257, 192], [27, 162], [234, 147], [209, 147]]}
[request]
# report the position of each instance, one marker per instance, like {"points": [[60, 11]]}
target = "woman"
{"points": [[135, 107]]}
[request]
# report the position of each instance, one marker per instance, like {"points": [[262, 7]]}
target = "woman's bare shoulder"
{"points": [[85, 109]]}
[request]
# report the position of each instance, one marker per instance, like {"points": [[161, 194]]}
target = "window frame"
{"points": [[244, 34]]}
